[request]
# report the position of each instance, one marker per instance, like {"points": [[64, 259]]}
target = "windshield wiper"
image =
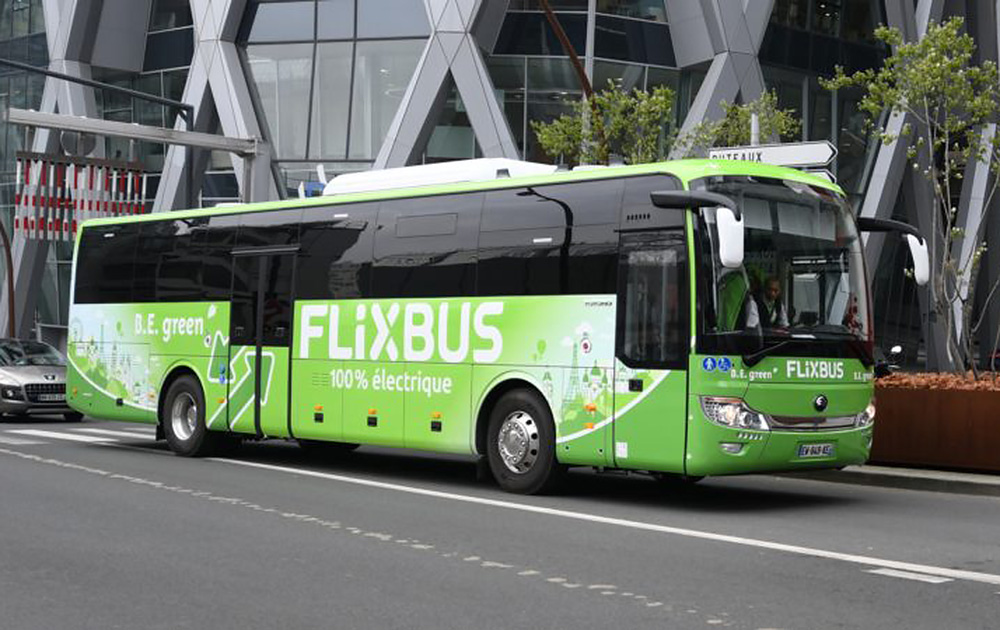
{"points": [[754, 358]]}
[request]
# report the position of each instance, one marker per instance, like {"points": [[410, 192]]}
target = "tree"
{"points": [[949, 101], [633, 125], [733, 129]]}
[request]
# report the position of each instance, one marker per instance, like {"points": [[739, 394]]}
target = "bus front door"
{"points": [[260, 340]]}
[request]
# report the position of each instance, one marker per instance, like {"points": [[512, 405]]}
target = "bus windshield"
{"points": [[801, 290]]}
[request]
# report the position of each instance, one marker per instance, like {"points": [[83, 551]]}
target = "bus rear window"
{"points": [[105, 264]]}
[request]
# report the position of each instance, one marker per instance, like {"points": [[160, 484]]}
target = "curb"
{"points": [[908, 479]]}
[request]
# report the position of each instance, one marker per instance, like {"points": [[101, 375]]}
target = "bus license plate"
{"points": [[51, 397], [815, 450]]}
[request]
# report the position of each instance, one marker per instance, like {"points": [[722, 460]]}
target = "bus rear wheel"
{"points": [[184, 420], [521, 444]]}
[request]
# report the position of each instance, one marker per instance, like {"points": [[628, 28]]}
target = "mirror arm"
{"points": [[692, 199], [871, 224]]}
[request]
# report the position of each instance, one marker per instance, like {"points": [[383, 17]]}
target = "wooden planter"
{"points": [[937, 428]]}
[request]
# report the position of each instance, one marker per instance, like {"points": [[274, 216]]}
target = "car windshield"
{"points": [[29, 353], [802, 281]]}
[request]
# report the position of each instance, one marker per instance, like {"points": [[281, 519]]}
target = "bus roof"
{"points": [[685, 170]]}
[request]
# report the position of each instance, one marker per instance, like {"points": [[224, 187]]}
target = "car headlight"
{"points": [[733, 413], [867, 417]]}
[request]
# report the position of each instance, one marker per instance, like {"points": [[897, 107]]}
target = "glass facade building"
{"points": [[328, 83]]}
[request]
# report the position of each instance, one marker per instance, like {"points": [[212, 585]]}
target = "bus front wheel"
{"points": [[184, 420], [521, 444]]}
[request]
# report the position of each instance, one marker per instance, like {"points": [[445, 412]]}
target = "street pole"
{"points": [[10, 281]]}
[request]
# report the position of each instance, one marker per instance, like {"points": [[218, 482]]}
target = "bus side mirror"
{"points": [[730, 237], [921, 262]]}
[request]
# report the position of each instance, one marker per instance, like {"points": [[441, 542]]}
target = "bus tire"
{"points": [[184, 420], [521, 444]]}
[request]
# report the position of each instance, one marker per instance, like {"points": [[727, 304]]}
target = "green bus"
{"points": [[685, 318]]}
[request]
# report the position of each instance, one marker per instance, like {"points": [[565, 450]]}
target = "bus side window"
{"points": [[260, 229], [215, 243], [557, 239], [105, 264], [335, 258], [426, 246], [167, 269], [653, 300]]}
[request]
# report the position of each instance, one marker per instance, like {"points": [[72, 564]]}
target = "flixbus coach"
{"points": [[617, 318]]}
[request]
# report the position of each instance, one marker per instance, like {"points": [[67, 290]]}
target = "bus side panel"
{"points": [[437, 408], [120, 354], [650, 423], [316, 398]]}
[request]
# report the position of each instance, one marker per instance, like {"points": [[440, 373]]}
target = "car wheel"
{"points": [[521, 444], [73, 416], [184, 420]]}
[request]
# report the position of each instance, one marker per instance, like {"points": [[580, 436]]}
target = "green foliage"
{"points": [[948, 101], [733, 129], [633, 125]]}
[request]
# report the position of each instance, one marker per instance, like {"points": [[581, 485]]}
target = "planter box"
{"points": [[937, 428]]}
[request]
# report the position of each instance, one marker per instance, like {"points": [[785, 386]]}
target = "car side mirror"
{"points": [[730, 237]]}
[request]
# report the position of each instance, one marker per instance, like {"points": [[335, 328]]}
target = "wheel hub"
{"points": [[518, 442], [184, 416]]}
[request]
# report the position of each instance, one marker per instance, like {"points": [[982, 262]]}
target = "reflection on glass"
{"points": [[653, 10], [819, 127], [331, 100], [790, 13], [553, 87], [169, 14], [860, 19], [453, 137], [826, 17], [282, 76], [508, 80], [283, 21], [335, 19], [627, 76], [392, 18], [382, 72]]}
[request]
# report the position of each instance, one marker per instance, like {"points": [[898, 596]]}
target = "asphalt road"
{"points": [[104, 528]]}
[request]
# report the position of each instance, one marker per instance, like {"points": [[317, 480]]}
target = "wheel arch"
{"points": [[494, 391], [173, 373]]}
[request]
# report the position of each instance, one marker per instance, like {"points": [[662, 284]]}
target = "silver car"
{"points": [[33, 380]]}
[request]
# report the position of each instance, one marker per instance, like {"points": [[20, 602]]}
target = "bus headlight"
{"points": [[733, 413], [867, 417]]}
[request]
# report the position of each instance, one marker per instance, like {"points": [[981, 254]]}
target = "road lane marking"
{"points": [[293, 516], [126, 434], [906, 575], [72, 437], [957, 574], [14, 441]]}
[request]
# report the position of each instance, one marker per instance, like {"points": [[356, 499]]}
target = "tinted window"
{"points": [[335, 258], [426, 247], [522, 262], [593, 265], [105, 264], [638, 211], [215, 244], [262, 229], [652, 301], [168, 269]]}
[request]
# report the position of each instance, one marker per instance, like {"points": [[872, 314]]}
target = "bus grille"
{"points": [[790, 423], [34, 390]]}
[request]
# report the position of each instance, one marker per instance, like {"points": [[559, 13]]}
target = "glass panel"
{"points": [[37, 23], [653, 295], [552, 89], [170, 14], [453, 137], [382, 72], [172, 49], [173, 84], [860, 19], [335, 19], [283, 21], [826, 17], [642, 9], [336, 256], [820, 118], [791, 13], [282, 76], [633, 40], [628, 76], [508, 82], [331, 100], [852, 141], [556, 5], [392, 18]]}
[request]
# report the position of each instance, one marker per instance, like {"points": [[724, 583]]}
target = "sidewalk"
{"points": [[909, 478]]}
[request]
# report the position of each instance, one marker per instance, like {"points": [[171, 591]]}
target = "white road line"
{"points": [[906, 575], [72, 437], [13, 441], [126, 434], [957, 574]]}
